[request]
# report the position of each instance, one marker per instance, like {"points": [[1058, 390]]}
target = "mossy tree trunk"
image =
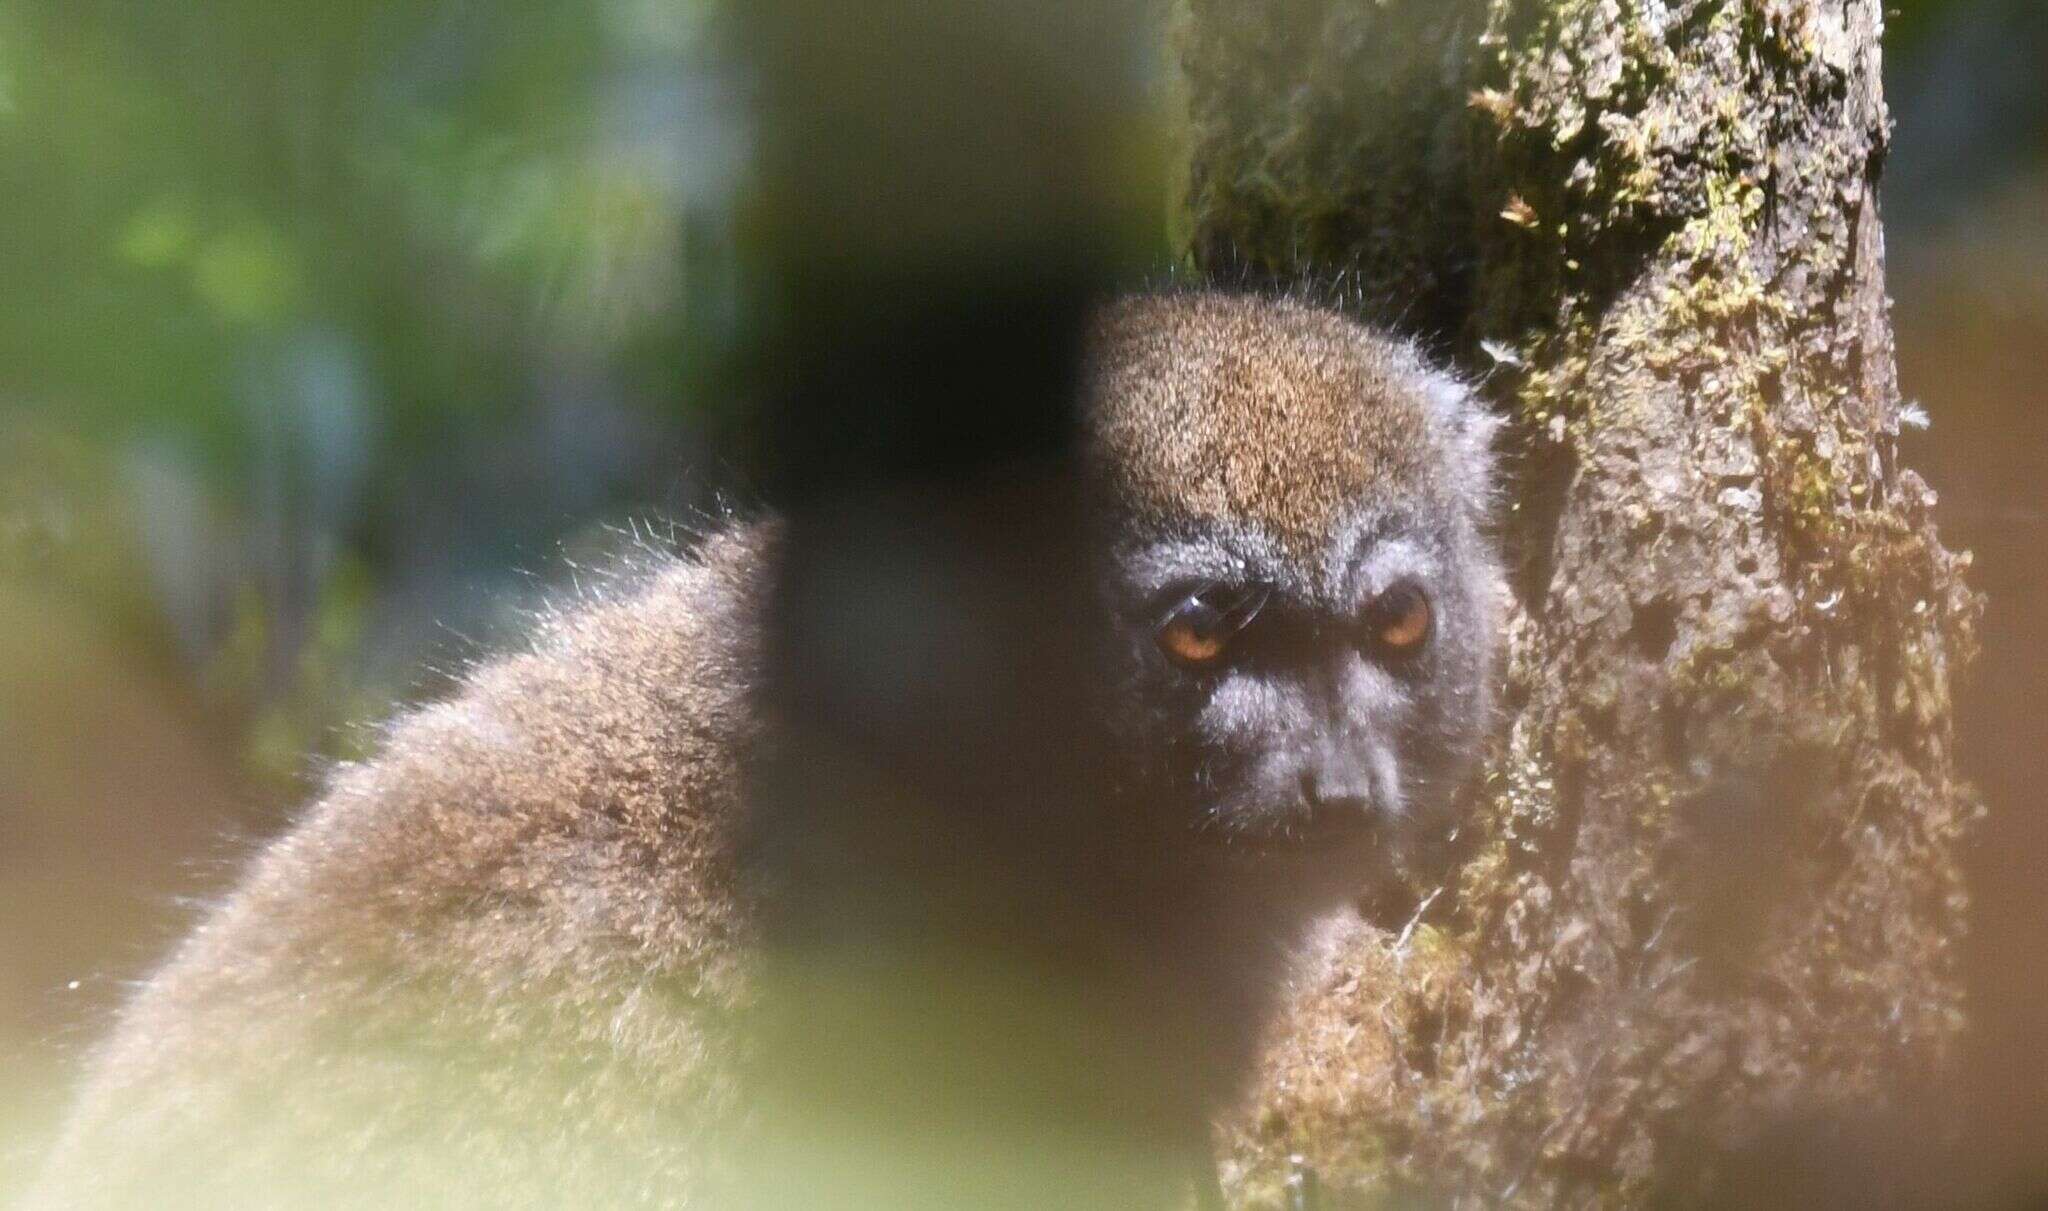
{"points": [[1715, 891]]}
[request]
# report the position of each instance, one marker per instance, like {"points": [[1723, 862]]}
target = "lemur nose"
{"points": [[1337, 788]]}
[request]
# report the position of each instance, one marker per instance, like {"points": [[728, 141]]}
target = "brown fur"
{"points": [[1249, 411], [539, 868], [499, 965]]}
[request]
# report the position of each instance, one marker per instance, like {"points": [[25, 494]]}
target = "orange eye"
{"points": [[1198, 632], [1402, 619], [1191, 644]]}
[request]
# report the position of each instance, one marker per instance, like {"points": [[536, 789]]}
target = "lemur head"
{"points": [[1307, 600]]}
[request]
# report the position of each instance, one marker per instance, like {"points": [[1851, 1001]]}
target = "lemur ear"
{"points": [[1468, 430]]}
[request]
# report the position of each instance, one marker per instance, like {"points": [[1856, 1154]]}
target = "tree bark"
{"points": [[1714, 889]]}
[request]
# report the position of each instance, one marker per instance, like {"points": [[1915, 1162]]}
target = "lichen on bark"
{"points": [[1715, 887]]}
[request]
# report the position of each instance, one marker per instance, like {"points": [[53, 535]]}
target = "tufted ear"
{"points": [[1468, 431]]}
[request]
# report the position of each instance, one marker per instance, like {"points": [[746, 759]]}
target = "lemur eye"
{"points": [[1193, 641], [1401, 619], [1197, 632]]}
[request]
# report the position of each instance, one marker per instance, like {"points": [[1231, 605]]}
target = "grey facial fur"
{"points": [[1306, 734]]}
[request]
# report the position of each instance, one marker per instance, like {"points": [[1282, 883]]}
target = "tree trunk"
{"points": [[1714, 892]]}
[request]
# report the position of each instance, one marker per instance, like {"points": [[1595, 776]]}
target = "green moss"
{"points": [[1653, 284]]}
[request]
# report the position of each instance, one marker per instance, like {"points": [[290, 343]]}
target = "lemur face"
{"points": [[1304, 595], [1291, 706]]}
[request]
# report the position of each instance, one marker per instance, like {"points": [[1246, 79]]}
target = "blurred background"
{"points": [[334, 337]]}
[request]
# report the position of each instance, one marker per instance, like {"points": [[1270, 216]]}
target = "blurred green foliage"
{"points": [[336, 331], [328, 321]]}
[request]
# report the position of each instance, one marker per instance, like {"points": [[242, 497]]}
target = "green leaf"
{"points": [[248, 274], [159, 235]]}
